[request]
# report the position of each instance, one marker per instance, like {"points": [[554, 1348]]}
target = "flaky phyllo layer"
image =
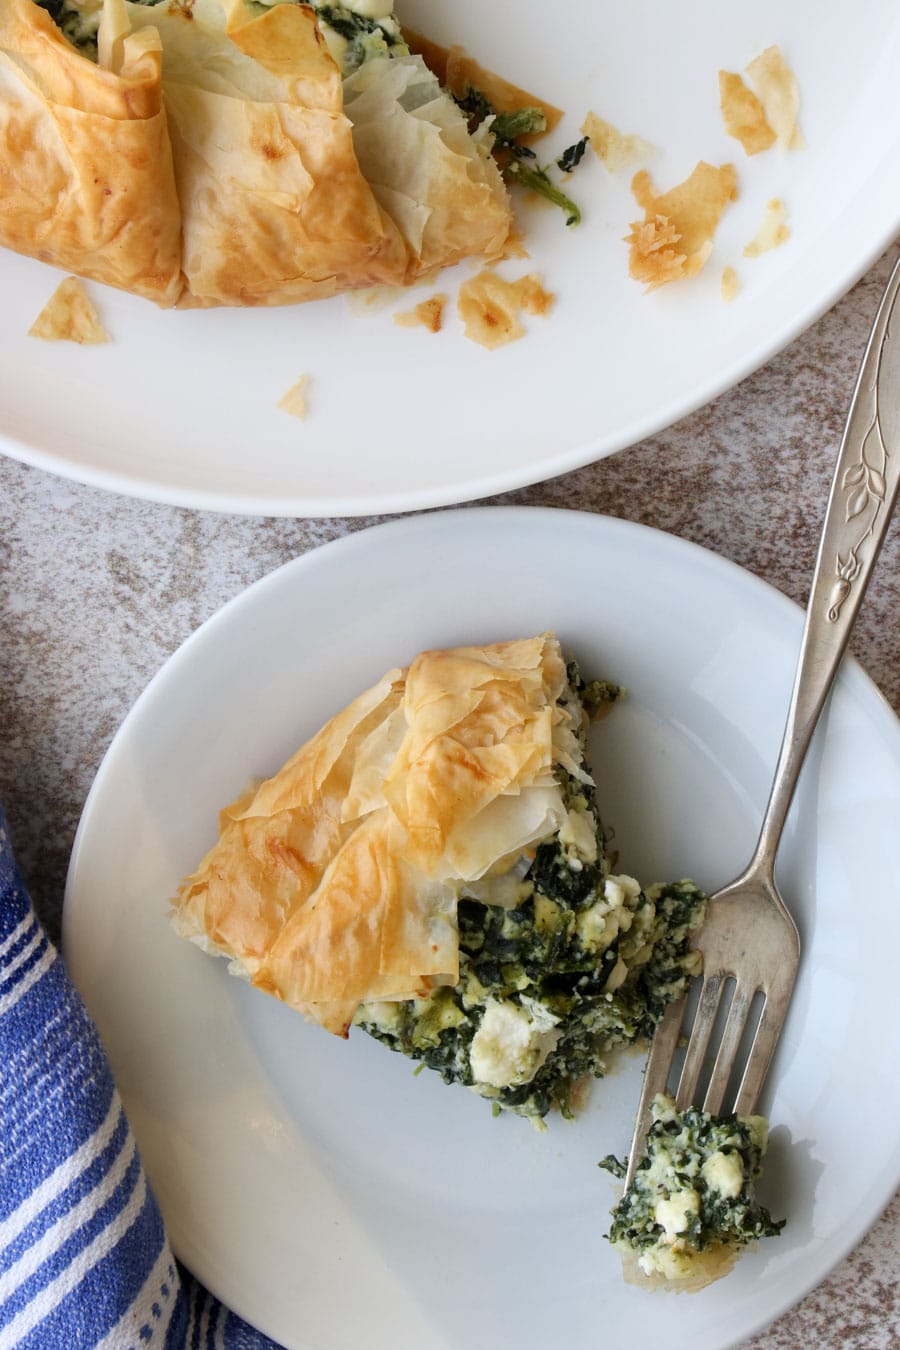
{"points": [[207, 152], [431, 867]]}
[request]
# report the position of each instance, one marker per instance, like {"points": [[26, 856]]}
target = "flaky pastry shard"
{"points": [[447, 199], [675, 238], [336, 880], [213, 155], [69, 316]]}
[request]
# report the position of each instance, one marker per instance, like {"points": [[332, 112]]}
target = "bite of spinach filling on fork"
{"points": [[691, 1207], [431, 868]]}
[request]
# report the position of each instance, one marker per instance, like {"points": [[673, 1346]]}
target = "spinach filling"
{"points": [[568, 958], [351, 37], [77, 22], [365, 37], [693, 1191], [518, 162], [361, 38]]}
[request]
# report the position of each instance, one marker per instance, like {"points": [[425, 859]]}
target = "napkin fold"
{"points": [[84, 1257]]}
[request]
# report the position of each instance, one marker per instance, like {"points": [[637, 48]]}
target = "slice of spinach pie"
{"points": [[431, 867]]}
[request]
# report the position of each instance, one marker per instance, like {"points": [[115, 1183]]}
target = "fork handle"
{"points": [[862, 497]]}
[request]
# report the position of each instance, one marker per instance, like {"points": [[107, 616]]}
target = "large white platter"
{"points": [[182, 406], [323, 1190]]}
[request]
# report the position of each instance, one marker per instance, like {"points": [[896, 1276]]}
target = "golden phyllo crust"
{"points": [[86, 175], [336, 880], [275, 208], [213, 155]]}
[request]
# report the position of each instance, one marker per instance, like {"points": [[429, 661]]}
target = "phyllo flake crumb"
{"points": [[489, 306], [675, 237], [294, 401], [69, 316]]}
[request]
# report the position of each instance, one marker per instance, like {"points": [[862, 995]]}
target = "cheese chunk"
{"points": [[724, 1172], [510, 1045], [673, 1213]]}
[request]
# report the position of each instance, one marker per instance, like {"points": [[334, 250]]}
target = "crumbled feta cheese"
{"points": [[599, 924], [674, 1213], [540, 1014], [381, 1013], [759, 1132], [618, 890], [579, 833], [594, 930], [669, 1262], [724, 1172], [664, 1109], [510, 1045]]}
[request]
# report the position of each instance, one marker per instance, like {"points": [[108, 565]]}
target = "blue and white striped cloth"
{"points": [[84, 1258]]}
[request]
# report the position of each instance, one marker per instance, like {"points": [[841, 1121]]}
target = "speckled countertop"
{"points": [[97, 590]]}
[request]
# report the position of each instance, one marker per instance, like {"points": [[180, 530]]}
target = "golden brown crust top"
{"points": [[336, 879], [86, 178], [275, 207], [233, 124]]}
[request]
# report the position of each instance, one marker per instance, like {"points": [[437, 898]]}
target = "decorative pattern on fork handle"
{"points": [[866, 480]]}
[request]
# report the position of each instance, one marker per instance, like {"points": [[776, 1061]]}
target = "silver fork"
{"points": [[749, 942]]}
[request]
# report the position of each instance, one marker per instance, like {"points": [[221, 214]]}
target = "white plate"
{"points": [[319, 1187], [181, 407]]}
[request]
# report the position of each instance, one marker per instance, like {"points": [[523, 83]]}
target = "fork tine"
{"points": [[701, 1030], [728, 1048], [758, 1055], [759, 1058], [656, 1077]]}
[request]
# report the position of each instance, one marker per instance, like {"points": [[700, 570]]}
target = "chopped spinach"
{"points": [[554, 877], [507, 128], [366, 37], [346, 22], [56, 9], [475, 105], [537, 179], [572, 156], [76, 22]]}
